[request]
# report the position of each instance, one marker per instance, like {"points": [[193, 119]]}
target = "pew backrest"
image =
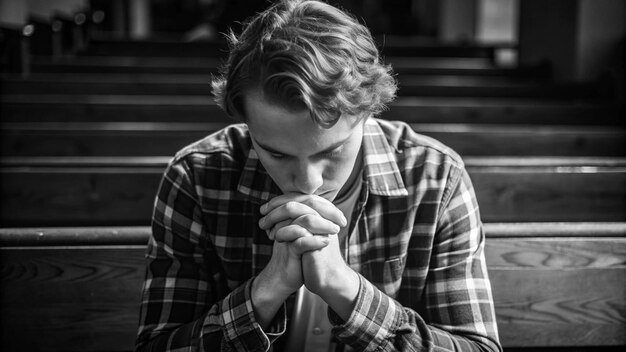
{"points": [[202, 108], [166, 138], [99, 191]]}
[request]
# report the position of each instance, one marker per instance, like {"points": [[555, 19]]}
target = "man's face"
{"points": [[299, 155]]}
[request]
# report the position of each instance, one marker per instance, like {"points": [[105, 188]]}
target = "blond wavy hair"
{"points": [[306, 55]]}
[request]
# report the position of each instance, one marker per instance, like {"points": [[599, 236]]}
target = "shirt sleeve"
{"points": [[185, 301], [459, 314]]}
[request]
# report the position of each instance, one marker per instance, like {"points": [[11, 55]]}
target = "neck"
{"points": [[356, 171]]}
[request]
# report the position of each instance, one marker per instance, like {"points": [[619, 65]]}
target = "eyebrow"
{"points": [[327, 150]]}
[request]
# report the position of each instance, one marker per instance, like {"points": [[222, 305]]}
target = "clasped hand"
{"points": [[306, 248]]}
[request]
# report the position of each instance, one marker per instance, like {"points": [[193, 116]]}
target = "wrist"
{"points": [[267, 298], [341, 292], [267, 288]]}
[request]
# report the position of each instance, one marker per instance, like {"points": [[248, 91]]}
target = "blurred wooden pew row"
{"points": [[556, 286], [394, 45], [166, 138], [151, 108], [84, 53], [409, 85], [89, 44], [102, 191], [190, 65], [74, 36], [56, 37]]}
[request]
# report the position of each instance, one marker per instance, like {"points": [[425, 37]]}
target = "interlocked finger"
{"points": [[324, 207], [272, 232], [287, 211], [291, 233], [317, 225], [309, 243]]}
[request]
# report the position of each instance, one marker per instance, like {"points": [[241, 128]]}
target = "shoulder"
{"points": [[214, 162], [413, 148], [428, 167], [230, 144]]}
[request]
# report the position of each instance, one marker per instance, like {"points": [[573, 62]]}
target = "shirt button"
{"points": [[317, 331]]}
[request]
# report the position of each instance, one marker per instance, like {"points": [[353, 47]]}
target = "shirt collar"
{"points": [[380, 169]]}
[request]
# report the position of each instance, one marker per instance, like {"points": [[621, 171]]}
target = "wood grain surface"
{"points": [[548, 292]]}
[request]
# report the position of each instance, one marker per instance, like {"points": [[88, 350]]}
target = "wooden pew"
{"points": [[155, 47], [409, 85], [388, 45], [47, 39], [195, 65], [98, 191], [556, 286], [408, 54], [154, 139], [74, 32], [409, 46], [150, 108], [15, 49]]}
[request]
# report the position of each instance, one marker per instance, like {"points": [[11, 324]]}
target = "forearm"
{"points": [[378, 321], [229, 322], [187, 335]]}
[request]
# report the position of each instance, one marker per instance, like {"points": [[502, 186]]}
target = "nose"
{"points": [[308, 177]]}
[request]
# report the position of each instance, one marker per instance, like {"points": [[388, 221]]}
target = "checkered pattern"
{"points": [[418, 250]]}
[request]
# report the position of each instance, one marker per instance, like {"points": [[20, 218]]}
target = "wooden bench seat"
{"points": [[153, 138], [97, 191], [409, 85], [556, 286], [152, 108]]}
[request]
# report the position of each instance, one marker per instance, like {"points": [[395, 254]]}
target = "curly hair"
{"points": [[306, 55]]}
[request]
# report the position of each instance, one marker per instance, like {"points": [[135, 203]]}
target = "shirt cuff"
{"points": [[241, 330], [374, 319]]}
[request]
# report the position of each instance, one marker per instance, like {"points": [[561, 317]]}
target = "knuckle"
{"points": [[281, 224], [290, 206], [282, 234], [306, 221], [301, 231], [290, 233], [272, 203], [301, 244]]}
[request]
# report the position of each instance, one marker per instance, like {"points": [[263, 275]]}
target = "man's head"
{"points": [[304, 76], [306, 55]]}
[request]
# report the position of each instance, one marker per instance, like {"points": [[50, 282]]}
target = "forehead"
{"points": [[291, 131]]}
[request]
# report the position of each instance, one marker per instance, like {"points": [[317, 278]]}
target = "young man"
{"points": [[314, 226]]}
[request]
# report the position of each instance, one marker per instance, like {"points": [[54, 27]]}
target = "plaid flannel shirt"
{"points": [[419, 251]]}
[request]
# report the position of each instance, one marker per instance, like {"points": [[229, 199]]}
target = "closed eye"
{"points": [[277, 155], [335, 153]]}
